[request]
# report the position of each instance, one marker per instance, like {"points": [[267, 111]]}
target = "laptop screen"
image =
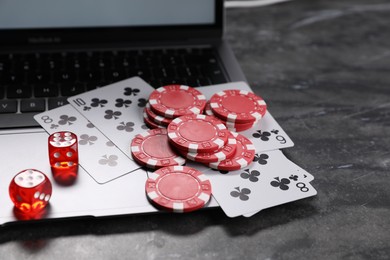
{"points": [[51, 14], [56, 22]]}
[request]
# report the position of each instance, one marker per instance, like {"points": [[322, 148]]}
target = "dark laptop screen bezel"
{"points": [[19, 37]]}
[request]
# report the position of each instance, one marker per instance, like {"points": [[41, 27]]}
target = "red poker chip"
{"points": [[235, 127], [149, 123], [240, 129], [159, 120], [178, 188], [244, 155], [207, 109], [151, 149], [238, 106], [176, 100], [197, 133], [227, 151]]}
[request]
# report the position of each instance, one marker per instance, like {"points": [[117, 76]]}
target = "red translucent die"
{"points": [[30, 190], [63, 156]]}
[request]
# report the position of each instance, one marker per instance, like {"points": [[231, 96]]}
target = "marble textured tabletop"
{"points": [[324, 68]]}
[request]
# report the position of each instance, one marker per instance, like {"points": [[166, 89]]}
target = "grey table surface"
{"points": [[323, 66]]}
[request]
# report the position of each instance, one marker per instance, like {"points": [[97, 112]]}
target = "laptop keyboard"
{"points": [[34, 82]]}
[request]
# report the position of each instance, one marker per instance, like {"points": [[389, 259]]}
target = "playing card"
{"points": [[267, 134], [269, 181], [294, 168], [308, 177], [262, 158], [116, 110], [97, 155]]}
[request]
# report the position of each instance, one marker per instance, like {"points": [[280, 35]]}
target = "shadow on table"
{"points": [[35, 235]]}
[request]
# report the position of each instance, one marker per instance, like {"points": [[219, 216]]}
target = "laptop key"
{"points": [[164, 73], [46, 90], [27, 66], [149, 61], [143, 73], [51, 64], [115, 75], [36, 77], [56, 102], [91, 85], [88, 76], [11, 78], [100, 63], [124, 62], [102, 83], [8, 106], [171, 60], [192, 82], [65, 76], [197, 59], [204, 81], [218, 79], [197, 82], [169, 81], [187, 71], [214, 73], [32, 105], [70, 89], [18, 91], [4, 65], [76, 64]]}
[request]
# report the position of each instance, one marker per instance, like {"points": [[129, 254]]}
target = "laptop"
{"points": [[52, 50]]}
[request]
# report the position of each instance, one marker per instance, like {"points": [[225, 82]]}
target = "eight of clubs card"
{"points": [[265, 183]]}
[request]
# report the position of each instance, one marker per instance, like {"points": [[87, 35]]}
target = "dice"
{"points": [[63, 156], [30, 191]]}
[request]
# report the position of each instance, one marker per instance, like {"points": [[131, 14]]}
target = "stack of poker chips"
{"points": [[169, 102], [238, 110], [180, 130], [200, 138], [205, 139]]}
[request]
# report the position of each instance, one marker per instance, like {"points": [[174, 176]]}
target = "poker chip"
{"points": [[178, 188], [207, 109], [240, 129], [197, 133], [235, 127], [238, 106], [159, 120], [243, 156], [176, 100], [149, 123], [225, 152], [231, 126], [151, 149]]}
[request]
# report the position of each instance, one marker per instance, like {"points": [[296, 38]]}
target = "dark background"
{"points": [[323, 66]]}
